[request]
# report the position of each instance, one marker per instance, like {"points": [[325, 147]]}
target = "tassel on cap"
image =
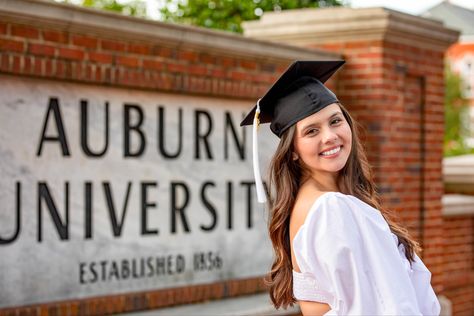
{"points": [[261, 196]]}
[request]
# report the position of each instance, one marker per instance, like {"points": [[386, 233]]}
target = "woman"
{"points": [[336, 250]]}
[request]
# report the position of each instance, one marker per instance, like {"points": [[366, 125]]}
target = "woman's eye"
{"points": [[335, 121], [311, 131]]}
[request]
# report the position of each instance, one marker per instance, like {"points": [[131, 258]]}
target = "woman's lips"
{"points": [[333, 152]]}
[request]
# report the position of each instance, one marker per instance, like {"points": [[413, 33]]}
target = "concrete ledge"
{"points": [[68, 17], [446, 306], [458, 204], [255, 305], [459, 169], [340, 24]]}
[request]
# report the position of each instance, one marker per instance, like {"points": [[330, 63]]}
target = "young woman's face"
{"points": [[323, 140]]}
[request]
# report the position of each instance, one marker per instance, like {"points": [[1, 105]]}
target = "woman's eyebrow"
{"points": [[317, 123]]}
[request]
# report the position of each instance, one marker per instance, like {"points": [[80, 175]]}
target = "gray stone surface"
{"points": [[252, 305], [33, 271]]}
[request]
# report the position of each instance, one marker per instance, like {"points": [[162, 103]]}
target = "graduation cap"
{"points": [[298, 93]]}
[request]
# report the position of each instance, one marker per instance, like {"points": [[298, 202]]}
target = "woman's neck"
{"points": [[324, 182]]}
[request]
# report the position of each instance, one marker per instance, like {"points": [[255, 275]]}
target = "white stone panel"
{"points": [[36, 271]]}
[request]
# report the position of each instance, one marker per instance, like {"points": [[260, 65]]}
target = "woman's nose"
{"points": [[329, 135]]}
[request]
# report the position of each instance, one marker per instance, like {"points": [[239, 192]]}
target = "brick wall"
{"points": [[141, 301], [81, 57], [36, 46], [458, 267]]}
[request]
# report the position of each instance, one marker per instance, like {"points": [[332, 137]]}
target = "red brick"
{"points": [[103, 58], [247, 64], [281, 68], [188, 55], [69, 53], [207, 59], [54, 36], [49, 66], [24, 31], [73, 309], [127, 61], [332, 47], [218, 73], [228, 62], [263, 78], [197, 70], [28, 67], [98, 74], [16, 66], [84, 41], [41, 49], [59, 68], [113, 45], [164, 52], [3, 28], [69, 69], [176, 68], [107, 74], [38, 66], [139, 49], [11, 45], [239, 75], [152, 64], [4, 62]]}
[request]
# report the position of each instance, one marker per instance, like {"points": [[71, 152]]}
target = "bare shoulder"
{"points": [[306, 197], [313, 308]]}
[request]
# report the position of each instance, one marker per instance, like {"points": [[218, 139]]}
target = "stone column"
{"points": [[393, 85]]}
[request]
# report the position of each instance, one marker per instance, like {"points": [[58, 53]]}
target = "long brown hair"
{"points": [[286, 176]]}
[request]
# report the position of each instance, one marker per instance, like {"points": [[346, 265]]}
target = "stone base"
{"points": [[250, 305]]}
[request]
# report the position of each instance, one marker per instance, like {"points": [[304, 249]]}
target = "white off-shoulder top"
{"points": [[349, 259]]}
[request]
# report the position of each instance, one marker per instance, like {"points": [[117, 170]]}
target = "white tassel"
{"points": [[261, 196]]}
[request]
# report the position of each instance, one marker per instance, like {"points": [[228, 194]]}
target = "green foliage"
{"points": [[229, 14], [455, 109], [131, 7]]}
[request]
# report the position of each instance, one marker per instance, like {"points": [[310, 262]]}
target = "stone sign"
{"points": [[107, 190]]}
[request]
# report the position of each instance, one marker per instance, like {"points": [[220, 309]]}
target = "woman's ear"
{"points": [[295, 156]]}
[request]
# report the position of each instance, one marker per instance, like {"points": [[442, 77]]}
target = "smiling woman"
{"points": [[323, 147], [337, 252]]}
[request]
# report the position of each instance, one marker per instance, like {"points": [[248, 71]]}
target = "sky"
{"points": [[407, 6], [414, 7]]}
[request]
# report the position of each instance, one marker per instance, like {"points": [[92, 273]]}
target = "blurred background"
{"points": [[127, 186]]}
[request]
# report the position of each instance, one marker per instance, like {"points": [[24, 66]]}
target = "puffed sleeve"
{"points": [[347, 248]]}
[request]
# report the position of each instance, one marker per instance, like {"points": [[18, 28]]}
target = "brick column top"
{"points": [[339, 24]]}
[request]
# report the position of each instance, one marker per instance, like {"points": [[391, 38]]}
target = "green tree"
{"points": [[455, 110], [130, 7], [229, 14]]}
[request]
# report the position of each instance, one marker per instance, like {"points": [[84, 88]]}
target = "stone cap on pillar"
{"points": [[340, 24]]}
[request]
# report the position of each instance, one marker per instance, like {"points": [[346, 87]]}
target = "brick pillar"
{"points": [[393, 85]]}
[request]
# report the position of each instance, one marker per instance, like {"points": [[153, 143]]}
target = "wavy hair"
{"points": [[285, 178]]}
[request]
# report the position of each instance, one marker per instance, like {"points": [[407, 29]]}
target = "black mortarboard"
{"points": [[298, 93]]}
